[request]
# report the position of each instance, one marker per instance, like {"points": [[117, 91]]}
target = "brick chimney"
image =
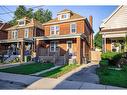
{"points": [[91, 21]]}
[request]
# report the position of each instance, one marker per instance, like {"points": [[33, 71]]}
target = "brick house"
{"points": [[20, 36], [68, 36], [3, 33], [114, 30]]}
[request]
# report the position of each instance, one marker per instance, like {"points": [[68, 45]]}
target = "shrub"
{"points": [[124, 68], [104, 63], [113, 57]]}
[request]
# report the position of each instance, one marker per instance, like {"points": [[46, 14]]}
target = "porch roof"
{"points": [[54, 37], [16, 40]]}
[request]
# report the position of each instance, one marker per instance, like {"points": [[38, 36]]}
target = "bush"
{"points": [[113, 57], [104, 63], [124, 68]]}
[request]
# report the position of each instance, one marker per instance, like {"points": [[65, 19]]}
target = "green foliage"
{"points": [[124, 68], [112, 77], [59, 71], [28, 68], [111, 55], [40, 15], [98, 40], [104, 63]]}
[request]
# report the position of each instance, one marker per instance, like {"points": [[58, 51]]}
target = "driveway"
{"points": [[85, 75]]}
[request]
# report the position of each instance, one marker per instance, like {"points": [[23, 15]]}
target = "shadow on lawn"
{"points": [[75, 81]]}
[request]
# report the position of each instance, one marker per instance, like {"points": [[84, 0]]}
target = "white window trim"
{"points": [[22, 24], [14, 35], [71, 28], [54, 46], [69, 42], [54, 30], [67, 16], [27, 29]]}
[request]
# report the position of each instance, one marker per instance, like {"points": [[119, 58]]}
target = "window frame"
{"points": [[72, 27], [55, 29], [26, 31], [55, 46], [21, 21], [15, 34]]}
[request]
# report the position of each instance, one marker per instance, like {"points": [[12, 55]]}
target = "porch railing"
{"points": [[66, 57]]}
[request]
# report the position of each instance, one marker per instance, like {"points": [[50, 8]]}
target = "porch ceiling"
{"points": [[16, 40], [54, 37], [114, 35]]}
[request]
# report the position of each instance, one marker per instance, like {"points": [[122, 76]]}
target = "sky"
{"points": [[99, 13]]}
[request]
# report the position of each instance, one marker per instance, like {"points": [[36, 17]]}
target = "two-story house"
{"points": [[3, 34], [67, 33], [20, 38], [114, 31]]}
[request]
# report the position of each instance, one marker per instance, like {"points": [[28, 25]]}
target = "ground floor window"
{"points": [[53, 46], [118, 45]]}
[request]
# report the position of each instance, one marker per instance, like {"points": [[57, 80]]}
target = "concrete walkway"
{"points": [[24, 79], [63, 82], [44, 71], [86, 74], [48, 83]]}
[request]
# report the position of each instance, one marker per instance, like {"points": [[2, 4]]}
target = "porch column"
{"points": [[78, 58], [22, 51], [37, 47], [104, 43]]}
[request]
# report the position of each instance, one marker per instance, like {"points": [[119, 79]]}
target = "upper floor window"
{"points": [[54, 30], [26, 33], [64, 16], [73, 28], [15, 34], [21, 23]]}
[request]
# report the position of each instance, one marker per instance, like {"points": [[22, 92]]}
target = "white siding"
{"points": [[118, 20]]}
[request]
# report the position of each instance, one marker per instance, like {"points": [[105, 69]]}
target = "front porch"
{"points": [[114, 42], [16, 49], [72, 50]]}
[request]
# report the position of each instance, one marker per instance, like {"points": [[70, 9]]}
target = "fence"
{"points": [[95, 56]]}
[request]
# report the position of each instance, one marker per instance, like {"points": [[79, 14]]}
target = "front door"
{"points": [[69, 47]]}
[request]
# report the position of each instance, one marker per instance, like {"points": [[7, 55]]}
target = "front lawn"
{"points": [[59, 71], [28, 68], [112, 77]]}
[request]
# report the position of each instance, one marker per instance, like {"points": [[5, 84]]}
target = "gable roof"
{"points": [[117, 19], [64, 11], [74, 16], [4, 26]]}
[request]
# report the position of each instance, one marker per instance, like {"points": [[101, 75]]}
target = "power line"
{"points": [[14, 11], [2, 7]]}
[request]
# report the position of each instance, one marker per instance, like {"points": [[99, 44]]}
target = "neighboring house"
{"points": [[69, 33], [20, 38], [114, 30], [3, 34]]}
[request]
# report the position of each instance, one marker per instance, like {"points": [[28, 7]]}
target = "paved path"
{"points": [[48, 83], [87, 74], [44, 71], [19, 81], [83, 77], [24, 79]]}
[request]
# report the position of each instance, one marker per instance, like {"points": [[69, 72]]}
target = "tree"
{"points": [[98, 40], [20, 12], [40, 15], [30, 13], [43, 15]]}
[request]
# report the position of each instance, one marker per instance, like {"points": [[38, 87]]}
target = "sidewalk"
{"points": [[24, 79], [48, 83]]}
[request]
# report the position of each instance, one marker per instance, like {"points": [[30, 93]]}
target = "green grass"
{"points": [[112, 77], [28, 69], [59, 71]]}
